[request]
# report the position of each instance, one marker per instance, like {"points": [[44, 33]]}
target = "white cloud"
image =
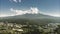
{"points": [[6, 15], [32, 10], [16, 0], [21, 12]]}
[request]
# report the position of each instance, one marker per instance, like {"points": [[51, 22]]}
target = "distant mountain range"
{"points": [[31, 18]]}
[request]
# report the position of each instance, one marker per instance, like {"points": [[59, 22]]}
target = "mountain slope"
{"points": [[32, 18]]}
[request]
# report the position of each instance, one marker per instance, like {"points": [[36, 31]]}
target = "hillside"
{"points": [[31, 18]]}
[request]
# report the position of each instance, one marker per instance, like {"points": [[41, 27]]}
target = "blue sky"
{"points": [[49, 7]]}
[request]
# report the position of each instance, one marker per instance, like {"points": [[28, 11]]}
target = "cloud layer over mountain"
{"points": [[32, 10], [21, 12]]}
